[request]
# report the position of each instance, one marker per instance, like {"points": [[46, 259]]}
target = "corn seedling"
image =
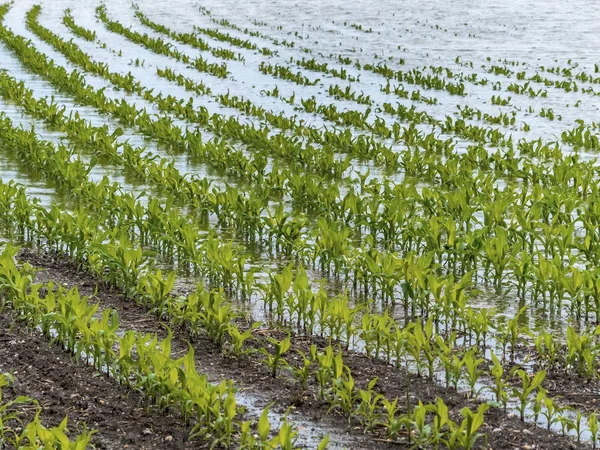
{"points": [[528, 386]]}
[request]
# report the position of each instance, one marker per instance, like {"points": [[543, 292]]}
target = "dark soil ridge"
{"points": [[566, 386], [62, 387], [252, 376], [573, 390]]}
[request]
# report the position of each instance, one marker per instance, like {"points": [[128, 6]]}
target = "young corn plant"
{"points": [[592, 423], [420, 432], [547, 349], [214, 315], [528, 386], [35, 435], [155, 290], [467, 433], [473, 373], [324, 370], [368, 405], [344, 395], [551, 412], [538, 403], [420, 345], [450, 361], [280, 348], [238, 338], [567, 424], [578, 425], [264, 429], [512, 334], [441, 422], [393, 420], [500, 387], [303, 372], [582, 351], [8, 414], [287, 435]]}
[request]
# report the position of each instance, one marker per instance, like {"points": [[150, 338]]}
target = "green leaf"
{"points": [[324, 443], [264, 427]]}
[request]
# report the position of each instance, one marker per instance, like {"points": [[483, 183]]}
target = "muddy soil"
{"points": [[257, 388], [63, 387], [256, 384]]}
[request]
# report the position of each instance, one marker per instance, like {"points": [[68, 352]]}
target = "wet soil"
{"points": [[573, 390], [63, 387], [254, 380], [257, 388], [567, 387]]}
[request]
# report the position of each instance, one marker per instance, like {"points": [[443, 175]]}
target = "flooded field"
{"points": [[299, 225]]}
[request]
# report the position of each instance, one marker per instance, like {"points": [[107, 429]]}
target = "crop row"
{"points": [[373, 328], [468, 226], [203, 306], [526, 236], [32, 434]]}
